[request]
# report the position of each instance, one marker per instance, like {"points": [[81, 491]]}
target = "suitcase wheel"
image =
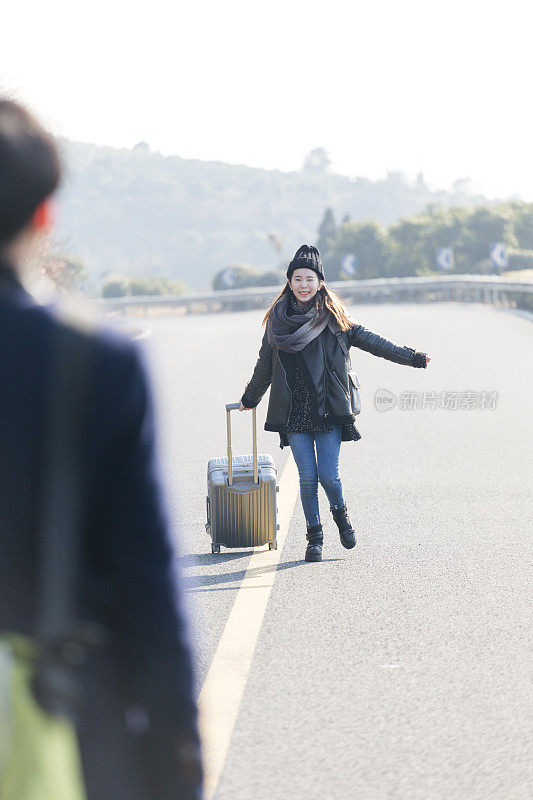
{"points": [[215, 548], [273, 545]]}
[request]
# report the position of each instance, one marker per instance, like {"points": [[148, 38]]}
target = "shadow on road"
{"points": [[201, 581], [194, 560]]}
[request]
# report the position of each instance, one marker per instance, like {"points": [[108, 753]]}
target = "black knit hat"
{"points": [[307, 257]]}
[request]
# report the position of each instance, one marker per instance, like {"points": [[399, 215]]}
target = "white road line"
{"points": [[221, 694]]}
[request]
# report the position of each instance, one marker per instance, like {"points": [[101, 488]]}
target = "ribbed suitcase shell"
{"points": [[244, 514]]}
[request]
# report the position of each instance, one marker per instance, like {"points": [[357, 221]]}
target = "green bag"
{"points": [[39, 756]]}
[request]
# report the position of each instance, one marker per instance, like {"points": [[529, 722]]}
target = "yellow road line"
{"points": [[221, 694]]}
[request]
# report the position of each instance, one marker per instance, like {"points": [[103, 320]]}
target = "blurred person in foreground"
{"points": [[137, 720]]}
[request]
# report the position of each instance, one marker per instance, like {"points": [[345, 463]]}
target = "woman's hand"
{"points": [[428, 359], [244, 408]]}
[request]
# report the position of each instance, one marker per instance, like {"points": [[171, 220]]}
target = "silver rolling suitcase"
{"points": [[241, 496]]}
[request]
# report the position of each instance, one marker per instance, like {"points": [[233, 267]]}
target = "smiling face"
{"points": [[305, 283]]}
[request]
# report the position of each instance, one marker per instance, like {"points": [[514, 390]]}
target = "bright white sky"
{"points": [[419, 85]]}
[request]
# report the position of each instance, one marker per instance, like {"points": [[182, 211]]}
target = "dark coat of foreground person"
{"points": [[128, 580]]}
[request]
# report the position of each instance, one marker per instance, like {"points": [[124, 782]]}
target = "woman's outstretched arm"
{"points": [[364, 339]]}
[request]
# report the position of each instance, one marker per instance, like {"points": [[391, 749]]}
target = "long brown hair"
{"points": [[328, 297]]}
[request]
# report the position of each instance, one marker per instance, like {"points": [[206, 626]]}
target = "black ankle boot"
{"points": [[346, 532], [314, 543]]}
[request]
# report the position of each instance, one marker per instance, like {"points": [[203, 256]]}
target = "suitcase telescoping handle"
{"points": [[234, 407]]}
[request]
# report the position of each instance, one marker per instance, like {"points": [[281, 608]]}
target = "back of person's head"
{"points": [[30, 168]]}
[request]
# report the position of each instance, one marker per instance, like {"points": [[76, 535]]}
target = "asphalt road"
{"points": [[397, 670]]}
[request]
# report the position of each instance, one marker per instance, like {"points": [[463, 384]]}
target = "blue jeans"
{"points": [[324, 468]]}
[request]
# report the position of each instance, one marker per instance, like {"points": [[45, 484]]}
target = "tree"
{"points": [[327, 231], [420, 183], [144, 286], [66, 271], [410, 245], [462, 186], [117, 286], [484, 226], [235, 276], [368, 242], [153, 285], [524, 224], [273, 277], [317, 161]]}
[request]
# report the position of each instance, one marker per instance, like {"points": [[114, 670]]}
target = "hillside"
{"points": [[137, 212]]}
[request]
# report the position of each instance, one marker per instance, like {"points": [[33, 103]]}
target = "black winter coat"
{"points": [[327, 374]]}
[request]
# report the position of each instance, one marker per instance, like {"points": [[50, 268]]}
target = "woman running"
{"points": [[313, 400]]}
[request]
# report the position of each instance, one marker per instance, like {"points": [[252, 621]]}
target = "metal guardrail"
{"points": [[490, 289]]}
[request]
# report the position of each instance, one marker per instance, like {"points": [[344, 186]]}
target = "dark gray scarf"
{"points": [[291, 332]]}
